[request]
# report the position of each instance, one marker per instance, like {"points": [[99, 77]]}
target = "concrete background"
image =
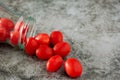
{"points": [[92, 27]]}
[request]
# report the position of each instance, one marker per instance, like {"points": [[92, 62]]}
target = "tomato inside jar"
{"points": [[3, 34], [6, 25], [15, 29], [16, 34]]}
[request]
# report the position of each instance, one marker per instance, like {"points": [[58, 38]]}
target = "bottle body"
{"points": [[23, 27]]}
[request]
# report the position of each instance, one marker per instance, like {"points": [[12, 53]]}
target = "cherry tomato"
{"points": [[62, 49], [30, 46], [56, 37], [3, 34], [18, 26], [14, 37], [42, 38], [73, 67], [44, 52], [54, 63], [6, 23]]}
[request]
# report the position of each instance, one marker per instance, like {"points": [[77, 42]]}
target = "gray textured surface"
{"points": [[92, 27]]}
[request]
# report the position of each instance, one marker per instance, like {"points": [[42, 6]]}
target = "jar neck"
{"points": [[27, 29]]}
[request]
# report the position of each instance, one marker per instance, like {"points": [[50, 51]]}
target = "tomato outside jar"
{"points": [[15, 34]]}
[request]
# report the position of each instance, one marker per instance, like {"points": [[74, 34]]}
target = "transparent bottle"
{"points": [[25, 25]]}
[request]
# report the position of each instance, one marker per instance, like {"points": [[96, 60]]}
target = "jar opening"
{"points": [[26, 28]]}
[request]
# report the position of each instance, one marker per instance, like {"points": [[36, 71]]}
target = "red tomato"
{"points": [[42, 38], [62, 49], [8, 35], [44, 52], [73, 67], [30, 46], [3, 34], [56, 37], [6, 23], [14, 37], [54, 63]]}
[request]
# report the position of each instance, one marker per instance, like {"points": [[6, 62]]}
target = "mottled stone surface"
{"points": [[92, 27]]}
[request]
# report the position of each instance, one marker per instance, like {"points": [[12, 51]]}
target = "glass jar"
{"points": [[24, 26]]}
